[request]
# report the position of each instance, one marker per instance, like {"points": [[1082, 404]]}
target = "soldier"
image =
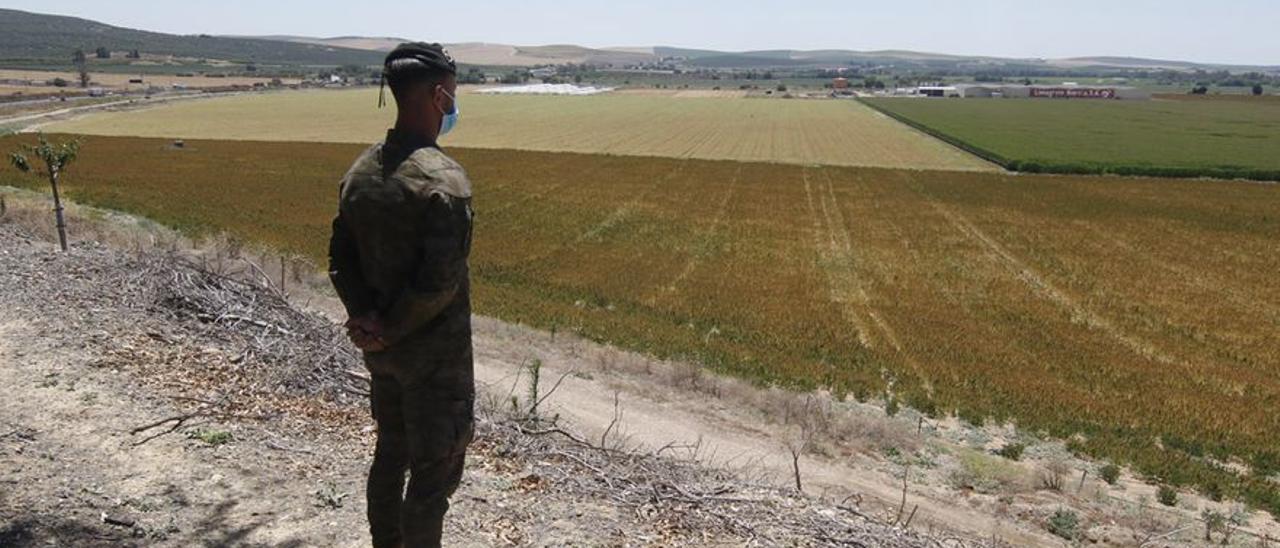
{"points": [[398, 260]]}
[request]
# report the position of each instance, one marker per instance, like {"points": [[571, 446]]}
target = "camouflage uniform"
{"points": [[399, 248]]}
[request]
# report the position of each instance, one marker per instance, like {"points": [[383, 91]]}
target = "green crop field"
{"points": [[1227, 138], [772, 130], [1138, 318]]}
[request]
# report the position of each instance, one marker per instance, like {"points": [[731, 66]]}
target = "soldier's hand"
{"points": [[366, 333], [366, 341]]}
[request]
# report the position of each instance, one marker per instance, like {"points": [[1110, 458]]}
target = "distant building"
{"points": [[545, 72], [939, 91], [840, 83]]}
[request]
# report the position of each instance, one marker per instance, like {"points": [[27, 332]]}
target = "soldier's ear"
{"points": [[438, 97]]}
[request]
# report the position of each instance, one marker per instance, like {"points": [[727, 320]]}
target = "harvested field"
{"points": [[1137, 314], [771, 130], [121, 80], [1215, 137]]}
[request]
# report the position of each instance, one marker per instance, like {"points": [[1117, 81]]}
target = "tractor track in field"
{"points": [[701, 241], [514, 181], [531, 197], [840, 264], [1045, 289], [618, 215], [1186, 275]]}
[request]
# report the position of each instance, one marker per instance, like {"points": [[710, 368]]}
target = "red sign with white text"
{"points": [[1074, 93]]}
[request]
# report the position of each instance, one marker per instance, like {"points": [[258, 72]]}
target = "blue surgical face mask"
{"points": [[450, 119]]}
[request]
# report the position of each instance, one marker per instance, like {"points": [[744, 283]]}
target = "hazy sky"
{"points": [[1223, 31]]}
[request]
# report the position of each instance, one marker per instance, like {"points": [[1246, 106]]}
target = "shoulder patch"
{"points": [[431, 170]]}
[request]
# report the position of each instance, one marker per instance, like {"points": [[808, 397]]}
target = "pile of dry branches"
{"points": [[689, 500], [300, 352]]}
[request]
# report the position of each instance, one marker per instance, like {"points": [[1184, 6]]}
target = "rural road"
{"points": [[35, 120]]}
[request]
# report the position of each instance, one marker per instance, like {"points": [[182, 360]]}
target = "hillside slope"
{"points": [[34, 36], [168, 430]]}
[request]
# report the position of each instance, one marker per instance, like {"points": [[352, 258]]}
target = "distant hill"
{"points": [[819, 58], [29, 37], [368, 43], [1140, 63], [33, 36], [483, 53]]}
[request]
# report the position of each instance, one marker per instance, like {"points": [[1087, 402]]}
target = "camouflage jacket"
{"points": [[400, 245]]}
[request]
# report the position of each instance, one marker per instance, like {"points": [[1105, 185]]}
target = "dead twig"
{"points": [[617, 416], [178, 421], [281, 447]]}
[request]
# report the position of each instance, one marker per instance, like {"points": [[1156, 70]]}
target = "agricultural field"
{"points": [[1225, 137], [1138, 318], [771, 130], [111, 80]]}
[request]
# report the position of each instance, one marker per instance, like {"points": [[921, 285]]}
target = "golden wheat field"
{"points": [[1139, 318], [770, 130]]}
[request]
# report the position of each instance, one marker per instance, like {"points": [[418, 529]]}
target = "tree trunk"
{"points": [[795, 465], [57, 211]]}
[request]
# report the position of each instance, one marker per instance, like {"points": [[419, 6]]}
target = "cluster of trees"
{"points": [[104, 53], [472, 75], [753, 75], [516, 77], [1202, 88], [80, 61]]}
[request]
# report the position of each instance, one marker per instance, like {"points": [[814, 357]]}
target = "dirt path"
{"points": [[653, 417], [37, 120]]}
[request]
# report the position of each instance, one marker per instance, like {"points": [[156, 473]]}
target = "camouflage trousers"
{"points": [[422, 432]]}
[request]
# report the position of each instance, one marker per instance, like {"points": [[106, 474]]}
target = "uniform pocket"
{"points": [[438, 429]]}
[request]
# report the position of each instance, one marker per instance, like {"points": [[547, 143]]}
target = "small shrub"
{"points": [[329, 497], [1110, 474], [211, 437], [1012, 451], [986, 474], [891, 406], [1064, 523], [1212, 490], [1053, 476], [971, 416], [1167, 496], [1213, 521]]}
